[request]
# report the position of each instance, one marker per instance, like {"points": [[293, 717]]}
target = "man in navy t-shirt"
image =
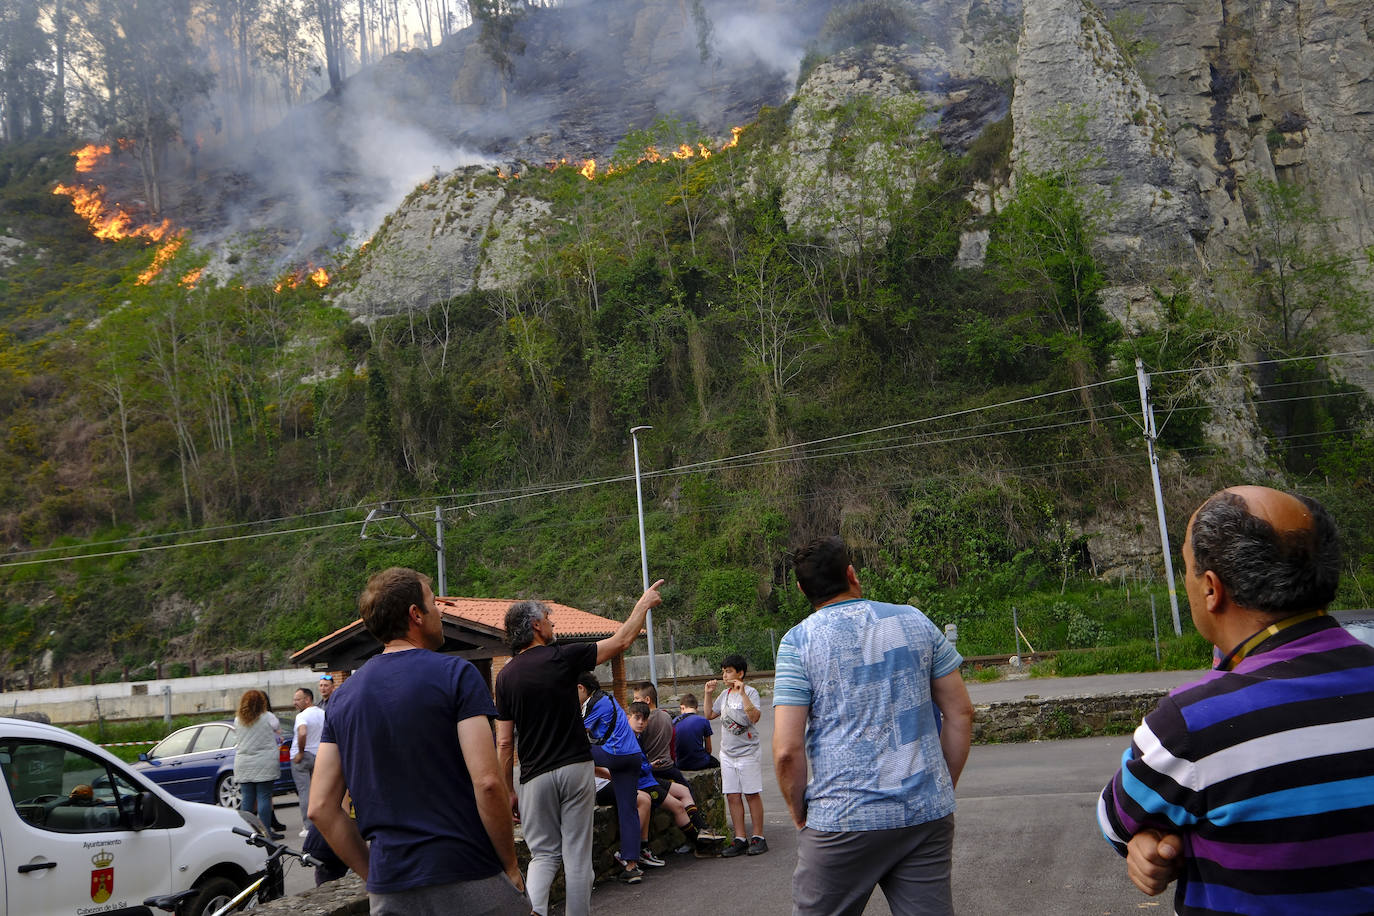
{"points": [[410, 737]]}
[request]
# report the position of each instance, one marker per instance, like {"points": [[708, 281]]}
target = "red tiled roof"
{"points": [[491, 612]]}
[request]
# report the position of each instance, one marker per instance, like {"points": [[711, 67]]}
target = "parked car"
{"points": [[1359, 623], [197, 763], [81, 832]]}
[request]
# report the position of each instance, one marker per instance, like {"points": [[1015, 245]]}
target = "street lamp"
{"points": [[644, 553]]}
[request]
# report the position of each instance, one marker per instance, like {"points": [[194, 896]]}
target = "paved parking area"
{"points": [[1026, 841]]}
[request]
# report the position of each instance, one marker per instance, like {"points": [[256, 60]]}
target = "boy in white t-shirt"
{"points": [[741, 772]]}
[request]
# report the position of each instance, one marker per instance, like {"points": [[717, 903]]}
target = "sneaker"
{"points": [[305, 832], [706, 837], [631, 875], [683, 849], [738, 847], [648, 858], [757, 846]]}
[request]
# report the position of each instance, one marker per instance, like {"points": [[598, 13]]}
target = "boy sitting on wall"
{"points": [[692, 737]]}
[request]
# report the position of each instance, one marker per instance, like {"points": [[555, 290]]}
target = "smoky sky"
{"points": [[581, 76]]}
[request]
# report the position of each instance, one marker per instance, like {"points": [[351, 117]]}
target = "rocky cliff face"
{"points": [[1172, 130], [1218, 95]]}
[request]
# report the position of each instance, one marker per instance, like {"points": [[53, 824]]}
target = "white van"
{"points": [[81, 832]]}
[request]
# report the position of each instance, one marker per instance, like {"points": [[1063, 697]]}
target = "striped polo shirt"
{"points": [[1267, 772]]}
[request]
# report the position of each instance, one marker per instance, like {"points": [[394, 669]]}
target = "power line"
{"points": [[160, 547], [1264, 362], [734, 462]]}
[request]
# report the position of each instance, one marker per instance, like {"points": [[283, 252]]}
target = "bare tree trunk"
{"points": [[363, 59], [59, 92]]}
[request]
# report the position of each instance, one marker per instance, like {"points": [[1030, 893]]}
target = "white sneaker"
{"points": [[305, 832]]}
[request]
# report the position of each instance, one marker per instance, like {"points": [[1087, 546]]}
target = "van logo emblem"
{"points": [[102, 877]]}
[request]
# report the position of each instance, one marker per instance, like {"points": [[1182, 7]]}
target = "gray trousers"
{"points": [[836, 872], [300, 774], [494, 896], [556, 817]]}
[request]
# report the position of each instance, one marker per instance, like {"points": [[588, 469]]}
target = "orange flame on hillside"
{"points": [[164, 254], [316, 275], [589, 169], [191, 279], [90, 155], [109, 222]]}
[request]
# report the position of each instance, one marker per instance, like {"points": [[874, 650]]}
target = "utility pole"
{"points": [[385, 510], [439, 549], [644, 553], [1148, 410]]}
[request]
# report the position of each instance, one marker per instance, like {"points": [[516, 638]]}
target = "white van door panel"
{"points": [[65, 846]]}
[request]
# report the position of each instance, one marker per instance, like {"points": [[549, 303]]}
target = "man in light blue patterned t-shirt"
{"points": [[855, 693]]}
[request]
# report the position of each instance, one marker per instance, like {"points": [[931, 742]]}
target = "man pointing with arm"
{"points": [[537, 707]]}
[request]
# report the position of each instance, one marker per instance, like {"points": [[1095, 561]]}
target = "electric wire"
{"points": [[734, 462]]}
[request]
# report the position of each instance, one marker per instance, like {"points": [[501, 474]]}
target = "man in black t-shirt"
{"points": [[537, 705]]}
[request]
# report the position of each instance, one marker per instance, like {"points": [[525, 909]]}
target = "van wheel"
{"points": [[227, 791], [214, 894]]}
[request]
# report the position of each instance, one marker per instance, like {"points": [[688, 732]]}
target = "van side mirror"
{"points": [[140, 811], [144, 757]]}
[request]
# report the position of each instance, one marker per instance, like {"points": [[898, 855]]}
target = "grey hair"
{"points": [[1264, 569], [520, 620]]}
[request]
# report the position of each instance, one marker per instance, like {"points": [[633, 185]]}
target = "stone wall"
{"points": [[1034, 719], [347, 896]]}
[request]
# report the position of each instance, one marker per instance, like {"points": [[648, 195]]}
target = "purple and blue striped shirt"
{"points": [[1267, 772]]}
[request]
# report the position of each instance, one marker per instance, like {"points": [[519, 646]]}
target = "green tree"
{"points": [[1302, 287], [1041, 251]]}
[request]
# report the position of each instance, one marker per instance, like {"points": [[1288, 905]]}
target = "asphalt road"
{"points": [[1026, 843], [1026, 840]]}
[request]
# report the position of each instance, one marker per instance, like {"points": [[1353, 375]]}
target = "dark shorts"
{"points": [[658, 794]]}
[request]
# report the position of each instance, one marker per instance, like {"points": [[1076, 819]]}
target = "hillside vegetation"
{"points": [[216, 446]]}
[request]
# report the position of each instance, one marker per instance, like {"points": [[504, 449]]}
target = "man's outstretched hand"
{"points": [[1153, 860]]}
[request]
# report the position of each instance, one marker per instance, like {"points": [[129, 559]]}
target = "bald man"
{"points": [[1254, 787]]}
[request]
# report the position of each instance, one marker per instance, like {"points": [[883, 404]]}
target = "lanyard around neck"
{"points": [[1238, 654]]}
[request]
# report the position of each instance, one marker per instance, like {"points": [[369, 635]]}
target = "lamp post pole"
{"points": [[643, 552]]}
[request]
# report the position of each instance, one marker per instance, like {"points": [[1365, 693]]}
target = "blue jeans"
{"points": [[256, 797]]}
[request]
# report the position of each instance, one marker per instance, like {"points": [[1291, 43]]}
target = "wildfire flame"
{"points": [[191, 279], [164, 254], [316, 275], [90, 155], [589, 170], [109, 222]]}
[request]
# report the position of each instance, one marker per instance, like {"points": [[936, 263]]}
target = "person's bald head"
{"points": [[1274, 552]]}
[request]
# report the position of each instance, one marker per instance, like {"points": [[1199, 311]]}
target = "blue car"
{"points": [[197, 763]]}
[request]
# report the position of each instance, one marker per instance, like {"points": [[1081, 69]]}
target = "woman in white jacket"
{"points": [[257, 763]]}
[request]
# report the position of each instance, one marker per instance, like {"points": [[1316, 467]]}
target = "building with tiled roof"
{"points": [[474, 628]]}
